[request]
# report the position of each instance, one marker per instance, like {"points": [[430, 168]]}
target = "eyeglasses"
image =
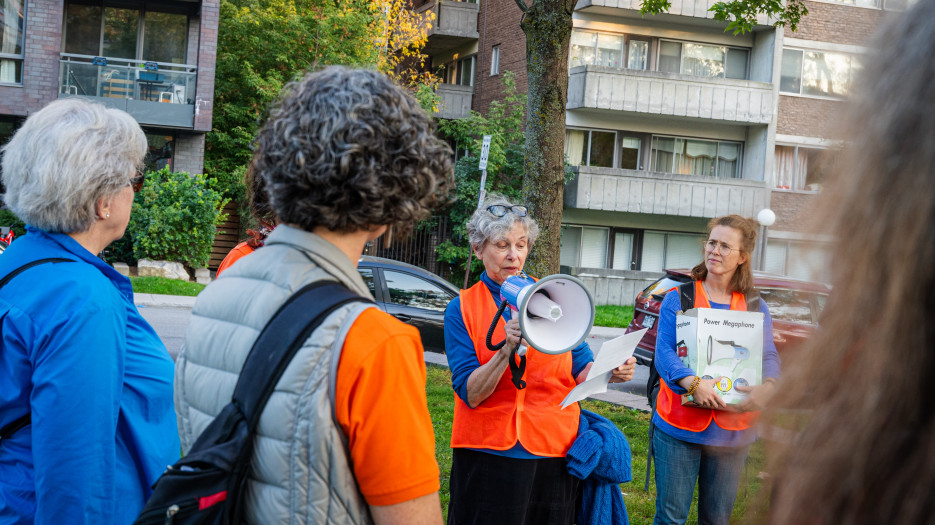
{"points": [[499, 210], [137, 182], [712, 245]]}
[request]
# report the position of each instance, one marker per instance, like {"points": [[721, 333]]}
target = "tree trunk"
{"points": [[547, 25]]}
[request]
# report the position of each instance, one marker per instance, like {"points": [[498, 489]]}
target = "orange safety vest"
{"points": [[669, 404], [532, 416]]}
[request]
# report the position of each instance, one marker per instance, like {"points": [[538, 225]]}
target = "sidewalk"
{"points": [[634, 401]]}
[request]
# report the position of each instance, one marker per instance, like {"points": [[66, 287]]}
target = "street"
{"points": [[171, 324]]}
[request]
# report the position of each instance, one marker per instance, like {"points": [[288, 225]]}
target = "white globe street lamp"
{"points": [[766, 217]]}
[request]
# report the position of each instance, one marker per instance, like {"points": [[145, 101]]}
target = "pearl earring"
{"points": [[106, 215]]}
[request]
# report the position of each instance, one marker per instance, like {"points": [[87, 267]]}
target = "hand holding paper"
{"points": [[613, 353]]}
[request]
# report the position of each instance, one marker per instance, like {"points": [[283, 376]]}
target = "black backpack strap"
{"points": [[282, 337], [687, 295], [13, 427]]}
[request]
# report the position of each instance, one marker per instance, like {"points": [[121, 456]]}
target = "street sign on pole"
{"points": [[484, 152]]}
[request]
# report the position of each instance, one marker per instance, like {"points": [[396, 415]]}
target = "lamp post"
{"points": [[766, 217]]}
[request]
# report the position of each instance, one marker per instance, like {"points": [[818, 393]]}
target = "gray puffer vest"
{"points": [[300, 471]]}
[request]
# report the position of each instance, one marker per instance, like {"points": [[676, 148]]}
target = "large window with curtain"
{"points": [[703, 60], [460, 72], [803, 169], [585, 147], [817, 73], [607, 49], [113, 30], [709, 158], [584, 246], [12, 40], [662, 250]]}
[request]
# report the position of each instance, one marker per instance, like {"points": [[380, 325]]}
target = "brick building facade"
{"points": [[155, 60], [671, 121]]}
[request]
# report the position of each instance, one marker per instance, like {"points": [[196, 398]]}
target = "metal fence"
{"points": [[420, 249]]}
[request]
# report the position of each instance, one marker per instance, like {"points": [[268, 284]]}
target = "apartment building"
{"points": [[670, 121], [154, 59]]}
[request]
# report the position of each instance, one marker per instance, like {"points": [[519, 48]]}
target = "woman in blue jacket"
{"points": [[77, 356]]}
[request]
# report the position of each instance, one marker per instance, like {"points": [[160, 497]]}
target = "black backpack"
{"points": [[23, 421], [206, 486], [686, 293]]}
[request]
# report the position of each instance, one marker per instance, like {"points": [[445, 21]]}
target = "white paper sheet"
{"points": [[613, 353]]}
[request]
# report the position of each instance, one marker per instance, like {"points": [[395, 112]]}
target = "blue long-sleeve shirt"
{"points": [[671, 369], [462, 358], [78, 355]]}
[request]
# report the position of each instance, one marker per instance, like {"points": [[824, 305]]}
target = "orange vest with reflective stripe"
{"points": [[533, 416], [669, 404]]}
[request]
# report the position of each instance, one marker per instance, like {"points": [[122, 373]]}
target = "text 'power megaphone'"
{"points": [[555, 315]]}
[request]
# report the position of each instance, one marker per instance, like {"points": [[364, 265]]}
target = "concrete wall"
{"points": [[614, 287]]}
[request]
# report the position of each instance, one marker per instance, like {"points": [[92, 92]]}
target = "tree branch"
{"points": [[522, 5]]}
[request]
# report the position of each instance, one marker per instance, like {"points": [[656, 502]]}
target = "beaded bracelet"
{"points": [[694, 385]]}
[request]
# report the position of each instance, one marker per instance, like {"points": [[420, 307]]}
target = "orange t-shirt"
{"points": [[382, 408], [234, 255]]}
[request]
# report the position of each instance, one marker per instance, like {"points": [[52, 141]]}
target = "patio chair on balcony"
{"points": [[114, 86]]}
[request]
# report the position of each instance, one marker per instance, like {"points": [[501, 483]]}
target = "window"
{"points": [[159, 152], [590, 148], [703, 60], [816, 73], [630, 152], [663, 250], [801, 260], [12, 40], [801, 168], [460, 71], [606, 49], [408, 290], [367, 275], [696, 157], [623, 253], [584, 246], [495, 60], [860, 3]]}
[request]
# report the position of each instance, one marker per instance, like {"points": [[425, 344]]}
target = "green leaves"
{"points": [[742, 15], [175, 218]]}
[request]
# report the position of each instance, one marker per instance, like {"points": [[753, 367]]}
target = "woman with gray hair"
{"points": [[345, 155], [79, 362], [509, 444]]}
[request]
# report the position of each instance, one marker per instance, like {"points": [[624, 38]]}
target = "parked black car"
{"points": [[410, 294]]}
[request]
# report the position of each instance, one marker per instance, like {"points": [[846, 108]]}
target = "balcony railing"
{"points": [[634, 191], [692, 8], [455, 101], [653, 92], [155, 93], [455, 24]]}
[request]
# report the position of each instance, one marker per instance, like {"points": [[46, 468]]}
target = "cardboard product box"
{"points": [[721, 343]]}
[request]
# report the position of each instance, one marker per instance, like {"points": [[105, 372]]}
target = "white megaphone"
{"points": [[555, 313], [718, 350]]}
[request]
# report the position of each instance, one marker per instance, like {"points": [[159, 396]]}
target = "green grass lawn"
{"points": [[164, 286], [613, 316], [634, 425]]}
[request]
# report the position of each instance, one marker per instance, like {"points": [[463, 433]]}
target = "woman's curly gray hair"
{"points": [[348, 149], [484, 227], [65, 158]]}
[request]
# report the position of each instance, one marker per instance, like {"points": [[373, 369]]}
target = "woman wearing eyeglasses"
{"points": [[706, 444], [509, 445], [85, 383]]}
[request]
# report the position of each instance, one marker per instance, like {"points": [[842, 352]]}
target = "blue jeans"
{"points": [[679, 464]]}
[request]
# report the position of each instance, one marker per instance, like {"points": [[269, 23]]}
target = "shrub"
{"points": [[8, 218], [175, 218]]}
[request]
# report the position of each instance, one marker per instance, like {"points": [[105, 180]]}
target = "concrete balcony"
{"points": [[455, 24], [632, 191], [743, 102], [685, 8], [455, 101]]}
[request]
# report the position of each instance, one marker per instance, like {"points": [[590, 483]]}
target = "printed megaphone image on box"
{"points": [[726, 344]]}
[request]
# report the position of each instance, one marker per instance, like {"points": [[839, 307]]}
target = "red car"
{"points": [[793, 304]]}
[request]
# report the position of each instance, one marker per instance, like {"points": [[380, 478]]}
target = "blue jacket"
{"points": [[600, 456], [98, 381]]}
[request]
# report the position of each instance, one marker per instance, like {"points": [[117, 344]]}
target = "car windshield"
{"points": [[660, 287]]}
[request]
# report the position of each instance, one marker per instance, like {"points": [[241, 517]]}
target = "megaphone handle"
{"points": [[493, 325], [522, 350], [517, 370]]}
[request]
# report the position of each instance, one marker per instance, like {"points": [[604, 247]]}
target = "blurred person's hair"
{"points": [[484, 227], [65, 158], [865, 454], [742, 281], [348, 149], [260, 209]]}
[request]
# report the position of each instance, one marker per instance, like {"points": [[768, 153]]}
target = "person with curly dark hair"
{"points": [[347, 437]]}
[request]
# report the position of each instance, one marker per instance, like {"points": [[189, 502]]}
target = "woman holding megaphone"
{"points": [[509, 442], [706, 443]]}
